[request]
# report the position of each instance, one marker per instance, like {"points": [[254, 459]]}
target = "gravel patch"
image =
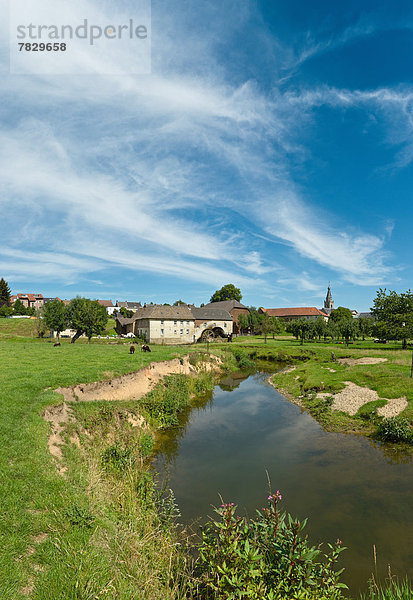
{"points": [[354, 397], [393, 407]]}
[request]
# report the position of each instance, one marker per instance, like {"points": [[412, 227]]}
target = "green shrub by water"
{"points": [[267, 558], [395, 429]]}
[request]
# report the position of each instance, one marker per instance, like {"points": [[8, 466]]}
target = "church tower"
{"points": [[328, 302]]}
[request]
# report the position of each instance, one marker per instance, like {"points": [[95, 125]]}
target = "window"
{"points": [[187, 332], [182, 332], [182, 322], [225, 325], [175, 322], [161, 331], [174, 331], [187, 322], [162, 322]]}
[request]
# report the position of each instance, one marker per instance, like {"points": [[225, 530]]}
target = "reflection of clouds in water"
{"points": [[345, 484]]}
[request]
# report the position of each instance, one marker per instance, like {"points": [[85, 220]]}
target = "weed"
{"points": [[395, 429], [79, 516], [267, 557], [116, 458], [146, 444]]}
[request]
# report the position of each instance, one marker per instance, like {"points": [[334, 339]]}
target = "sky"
{"points": [[270, 146]]}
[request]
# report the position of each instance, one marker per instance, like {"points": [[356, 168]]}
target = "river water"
{"points": [[348, 486]]}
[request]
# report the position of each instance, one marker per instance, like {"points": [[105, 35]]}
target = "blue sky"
{"points": [[271, 147]]}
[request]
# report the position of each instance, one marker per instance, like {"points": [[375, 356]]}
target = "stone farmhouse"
{"points": [[234, 308], [159, 324]]}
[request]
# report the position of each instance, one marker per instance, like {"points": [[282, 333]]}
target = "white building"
{"points": [[176, 324]]}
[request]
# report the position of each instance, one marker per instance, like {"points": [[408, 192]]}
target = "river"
{"points": [[348, 486]]}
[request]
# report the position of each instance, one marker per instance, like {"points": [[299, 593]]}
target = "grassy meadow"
{"points": [[102, 530]]}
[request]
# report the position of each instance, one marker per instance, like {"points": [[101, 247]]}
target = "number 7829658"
{"points": [[42, 47]]}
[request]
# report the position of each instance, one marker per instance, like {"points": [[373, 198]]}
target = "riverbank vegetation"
{"points": [[104, 527]]}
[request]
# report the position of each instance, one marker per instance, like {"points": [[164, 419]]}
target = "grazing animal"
{"points": [[131, 349], [57, 344], [145, 348]]}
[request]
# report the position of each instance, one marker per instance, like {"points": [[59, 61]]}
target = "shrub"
{"points": [[116, 458], [146, 444], [264, 558], [395, 429], [167, 399], [79, 516]]}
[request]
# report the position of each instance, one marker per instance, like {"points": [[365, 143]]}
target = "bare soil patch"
{"points": [[365, 360]]}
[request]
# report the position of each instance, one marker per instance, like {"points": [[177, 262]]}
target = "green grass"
{"points": [[33, 497], [97, 531], [17, 327]]}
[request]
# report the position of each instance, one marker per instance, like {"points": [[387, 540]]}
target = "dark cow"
{"points": [[131, 349], [145, 348], [57, 344]]}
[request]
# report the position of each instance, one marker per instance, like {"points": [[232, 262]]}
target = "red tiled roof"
{"points": [[106, 303], [31, 297], [301, 311]]}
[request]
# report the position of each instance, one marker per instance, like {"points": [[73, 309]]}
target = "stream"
{"points": [[348, 486]]}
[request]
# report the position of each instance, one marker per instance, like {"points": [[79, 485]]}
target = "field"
{"points": [[94, 532]]}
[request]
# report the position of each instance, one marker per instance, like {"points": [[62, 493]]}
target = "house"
{"points": [[308, 313], [47, 300], [129, 305], [159, 324], [108, 305], [29, 300], [234, 308]]}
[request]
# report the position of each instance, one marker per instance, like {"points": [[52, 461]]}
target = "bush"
{"points": [[6, 311], [167, 399], [116, 458], [146, 444], [395, 429], [267, 558]]}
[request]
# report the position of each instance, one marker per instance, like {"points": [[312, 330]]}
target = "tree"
{"points": [[40, 324], [394, 315], [180, 303], [55, 316], [127, 314], [264, 325], [365, 326], [227, 292], [4, 293], [243, 322], [340, 313], [6, 311], [347, 328], [86, 317], [253, 318], [277, 326], [301, 329], [320, 327], [19, 308]]}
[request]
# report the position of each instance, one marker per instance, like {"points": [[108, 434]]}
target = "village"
{"points": [[185, 323]]}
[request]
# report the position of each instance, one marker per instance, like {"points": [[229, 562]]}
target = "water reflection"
{"points": [[349, 487]]}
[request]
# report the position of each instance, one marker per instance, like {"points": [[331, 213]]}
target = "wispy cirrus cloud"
{"points": [[171, 173]]}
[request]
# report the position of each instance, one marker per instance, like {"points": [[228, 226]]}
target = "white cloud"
{"points": [[166, 173]]}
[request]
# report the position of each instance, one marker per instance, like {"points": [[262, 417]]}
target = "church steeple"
{"points": [[328, 302]]}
